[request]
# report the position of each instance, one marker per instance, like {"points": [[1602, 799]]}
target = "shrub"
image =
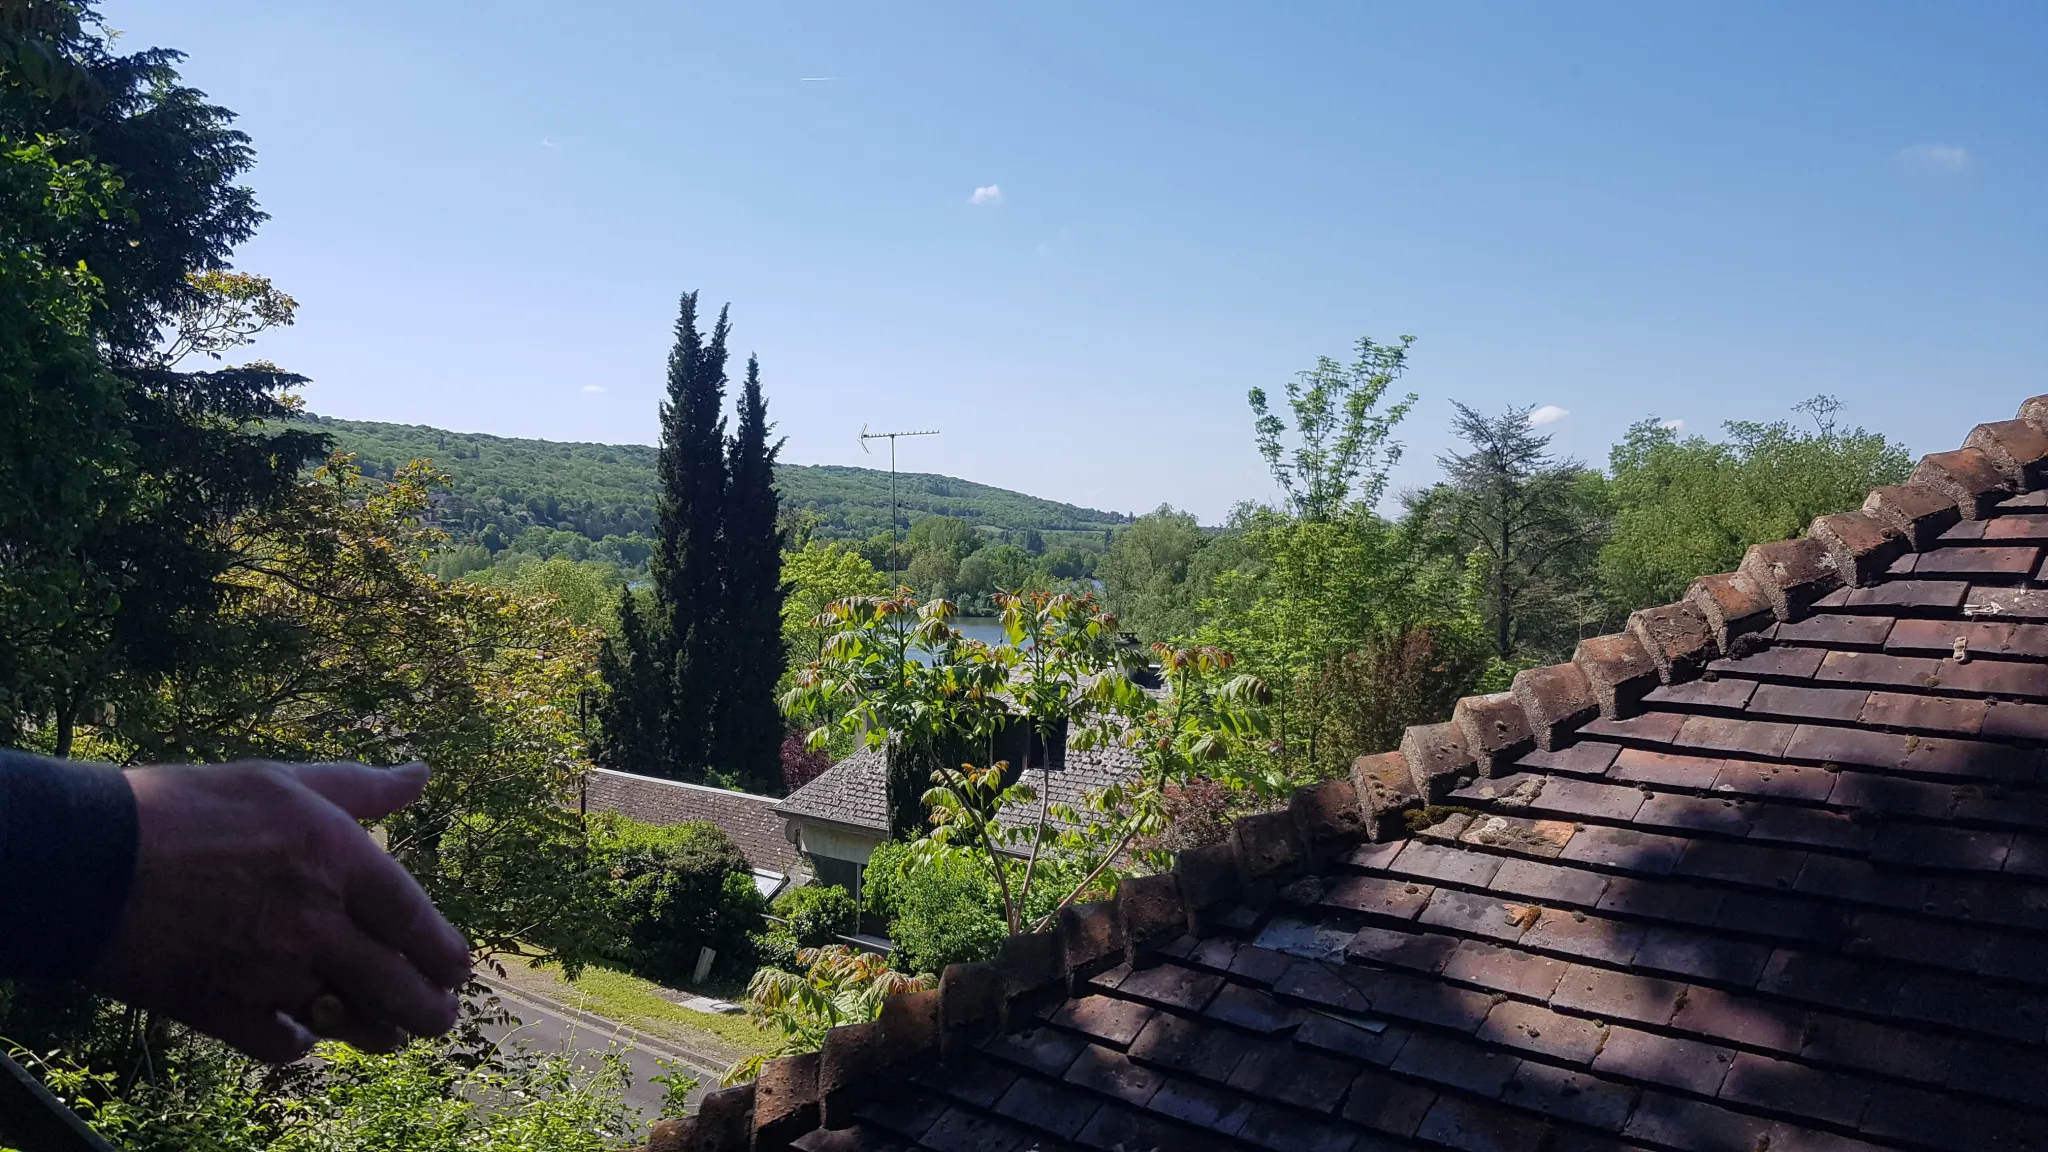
{"points": [[802, 764], [672, 890], [423, 1097], [813, 915], [945, 913]]}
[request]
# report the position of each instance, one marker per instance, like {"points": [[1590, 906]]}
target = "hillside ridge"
{"points": [[598, 489]]}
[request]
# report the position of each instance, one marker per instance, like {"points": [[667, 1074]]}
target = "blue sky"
{"points": [[1692, 211]]}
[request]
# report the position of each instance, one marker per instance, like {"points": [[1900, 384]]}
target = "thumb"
{"points": [[364, 792]]}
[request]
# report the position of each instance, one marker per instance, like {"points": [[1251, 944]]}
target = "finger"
{"points": [[376, 983], [272, 1037], [388, 904], [364, 792], [337, 1023]]}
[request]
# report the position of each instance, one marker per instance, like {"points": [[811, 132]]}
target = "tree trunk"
{"points": [[67, 723], [1503, 634]]}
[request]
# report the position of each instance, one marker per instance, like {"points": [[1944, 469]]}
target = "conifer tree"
{"points": [[629, 714], [681, 666], [688, 549], [749, 732]]}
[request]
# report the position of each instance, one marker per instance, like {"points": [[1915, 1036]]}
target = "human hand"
{"points": [[257, 894]]}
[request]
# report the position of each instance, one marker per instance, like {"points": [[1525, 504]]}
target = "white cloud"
{"points": [[989, 195], [592, 389], [1548, 414], [1674, 425], [547, 143], [1935, 158]]}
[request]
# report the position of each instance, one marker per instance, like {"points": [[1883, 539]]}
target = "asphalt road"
{"points": [[548, 1029]]}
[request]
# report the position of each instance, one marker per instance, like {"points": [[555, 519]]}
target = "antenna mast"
{"points": [[866, 436]]}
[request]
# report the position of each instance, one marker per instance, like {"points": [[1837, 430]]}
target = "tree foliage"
{"points": [[675, 889], [836, 985], [818, 575], [691, 680], [1690, 506], [121, 209], [1153, 578], [1519, 516], [337, 645], [747, 730], [423, 1097], [1339, 434]]}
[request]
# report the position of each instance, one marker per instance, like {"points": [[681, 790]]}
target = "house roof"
{"points": [[1082, 771], [854, 791], [1768, 872], [748, 819]]}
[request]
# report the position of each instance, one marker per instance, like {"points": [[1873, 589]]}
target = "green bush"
{"points": [[672, 890], [938, 915], [424, 1097], [813, 915]]}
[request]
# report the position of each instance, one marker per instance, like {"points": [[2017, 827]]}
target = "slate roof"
{"points": [[750, 820], [1768, 872], [1083, 770], [854, 791]]}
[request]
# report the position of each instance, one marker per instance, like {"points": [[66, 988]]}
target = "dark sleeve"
{"points": [[67, 858]]}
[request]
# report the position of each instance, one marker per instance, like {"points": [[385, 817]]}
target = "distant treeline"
{"points": [[505, 489]]}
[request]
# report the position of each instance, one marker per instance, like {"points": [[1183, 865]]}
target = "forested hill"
{"points": [[503, 486]]}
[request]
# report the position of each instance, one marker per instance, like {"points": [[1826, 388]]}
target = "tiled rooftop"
{"points": [[750, 820], [1768, 872], [854, 791]]}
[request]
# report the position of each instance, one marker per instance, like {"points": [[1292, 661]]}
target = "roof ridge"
{"points": [[1720, 615], [733, 792], [1217, 885]]}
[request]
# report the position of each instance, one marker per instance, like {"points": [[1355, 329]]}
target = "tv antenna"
{"points": [[866, 436]]}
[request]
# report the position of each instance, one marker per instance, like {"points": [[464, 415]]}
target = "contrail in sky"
{"points": [[815, 79]]}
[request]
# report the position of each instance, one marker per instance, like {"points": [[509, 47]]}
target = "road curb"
{"points": [[658, 1046]]}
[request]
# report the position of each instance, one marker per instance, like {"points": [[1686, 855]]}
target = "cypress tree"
{"points": [[749, 732], [629, 714], [666, 699]]}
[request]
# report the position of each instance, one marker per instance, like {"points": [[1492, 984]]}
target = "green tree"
{"points": [[748, 732], [424, 1097], [1689, 506], [962, 716], [1145, 575], [933, 572], [342, 647], [1528, 521], [121, 185], [1356, 624], [1339, 433], [586, 592], [1002, 568], [896, 674], [939, 911], [628, 738], [679, 654], [816, 576], [948, 534]]}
